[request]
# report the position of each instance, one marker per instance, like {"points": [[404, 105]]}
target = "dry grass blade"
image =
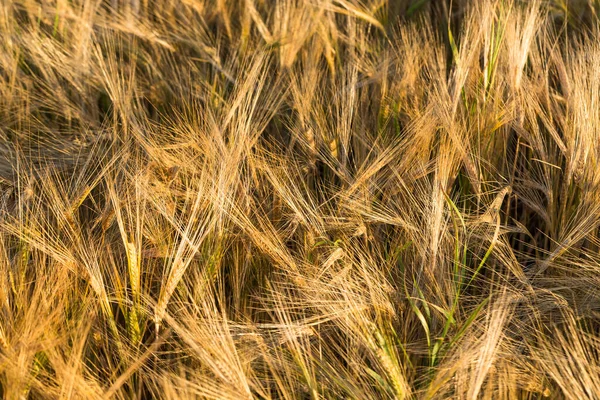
{"points": [[291, 199]]}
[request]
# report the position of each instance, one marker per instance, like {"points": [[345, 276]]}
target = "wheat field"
{"points": [[299, 199]]}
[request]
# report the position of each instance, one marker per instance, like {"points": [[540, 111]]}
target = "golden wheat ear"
{"points": [[290, 199]]}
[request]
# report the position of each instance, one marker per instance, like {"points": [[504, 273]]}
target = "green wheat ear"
{"points": [[55, 25]]}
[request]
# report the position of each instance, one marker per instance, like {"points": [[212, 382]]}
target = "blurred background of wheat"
{"points": [[290, 199]]}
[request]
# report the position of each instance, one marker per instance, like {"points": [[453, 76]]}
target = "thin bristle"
{"points": [[289, 199]]}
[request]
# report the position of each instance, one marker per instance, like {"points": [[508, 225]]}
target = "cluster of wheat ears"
{"points": [[292, 199]]}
